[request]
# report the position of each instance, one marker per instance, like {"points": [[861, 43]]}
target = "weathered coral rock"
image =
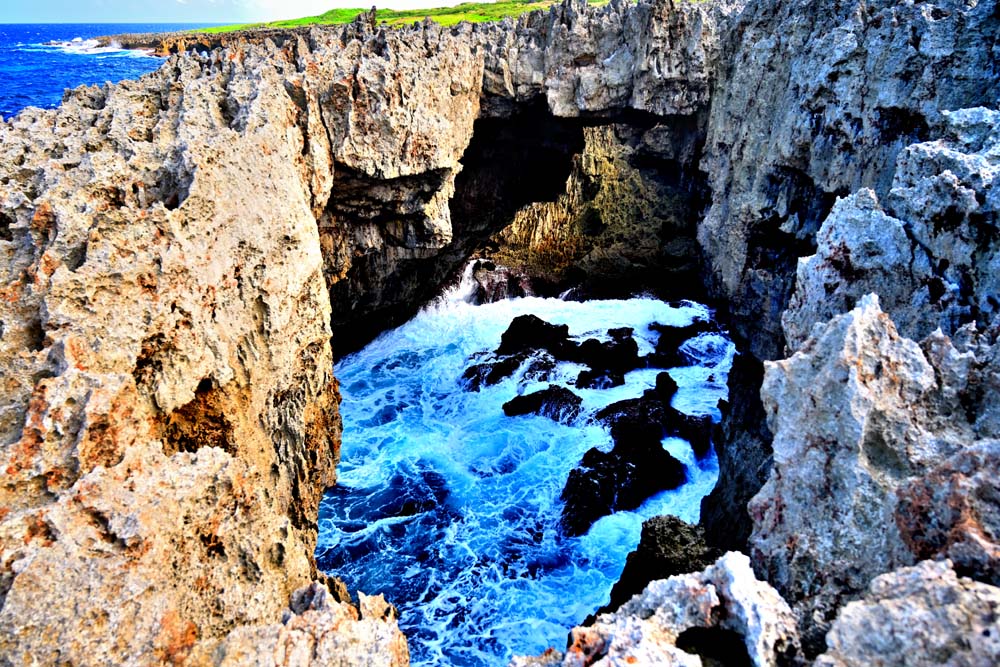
{"points": [[954, 511], [176, 252], [169, 419], [827, 95], [656, 57], [724, 607], [931, 253], [915, 617], [862, 417], [317, 630]]}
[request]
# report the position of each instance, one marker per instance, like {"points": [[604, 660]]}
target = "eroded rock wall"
{"points": [[177, 252], [815, 101], [626, 220], [170, 413]]}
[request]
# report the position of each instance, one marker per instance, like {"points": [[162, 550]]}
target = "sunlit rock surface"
{"points": [[176, 254], [723, 612], [915, 616]]}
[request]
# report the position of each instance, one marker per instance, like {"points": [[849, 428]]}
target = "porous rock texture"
{"points": [[860, 415], [170, 414], [722, 612], [826, 95], [886, 439], [917, 616], [182, 256], [175, 253]]}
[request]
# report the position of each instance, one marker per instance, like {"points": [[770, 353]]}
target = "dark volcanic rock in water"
{"points": [[668, 347], [653, 409], [494, 371], [619, 355], [555, 402], [599, 379], [528, 332], [668, 547], [635, 469]]}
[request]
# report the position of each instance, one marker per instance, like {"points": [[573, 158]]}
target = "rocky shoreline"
{"points": [[165, 44], [183, 256]]}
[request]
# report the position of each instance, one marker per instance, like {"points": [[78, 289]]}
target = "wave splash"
{"points": [[90, 47], [451, 509]]}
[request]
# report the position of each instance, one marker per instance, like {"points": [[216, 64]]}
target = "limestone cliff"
{"points": [[182, 256]]}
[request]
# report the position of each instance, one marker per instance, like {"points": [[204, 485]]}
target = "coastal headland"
{"points": [[182, 258]]}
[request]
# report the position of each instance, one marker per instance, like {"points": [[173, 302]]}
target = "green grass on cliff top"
{"points": [[474, 12]]}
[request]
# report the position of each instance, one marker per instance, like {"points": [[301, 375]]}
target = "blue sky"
{"points": [[194, 11]]}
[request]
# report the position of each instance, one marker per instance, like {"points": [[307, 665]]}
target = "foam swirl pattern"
{"points": [[451, 509]]}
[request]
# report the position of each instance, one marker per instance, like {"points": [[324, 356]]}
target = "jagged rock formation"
{"points": [[668, 547], [923, 615], [895, 449], [863, 417], [318, 630], [722, 613], [170, 415], [827, 95], [177, 253]]}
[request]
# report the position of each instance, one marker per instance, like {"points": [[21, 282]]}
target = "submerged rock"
{"points": [[669, 352], [605, 482], [599, 379], [653, 409], [555, 402], [529, 332], [722, 613]]}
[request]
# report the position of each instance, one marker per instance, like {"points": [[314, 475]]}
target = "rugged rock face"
{"points": [[627, 218], [923, 615], [888, 437], [667, 547], [169, 416], [931, 252], [722, 613], [882, 438], [318, 630], [744, 451], [827, 95], [176, 254]]}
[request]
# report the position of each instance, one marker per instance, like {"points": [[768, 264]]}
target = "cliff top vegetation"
{"points": [[474, 12]]}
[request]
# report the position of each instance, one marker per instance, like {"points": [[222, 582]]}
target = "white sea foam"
{"points": [[91, 47], [476, 563]]}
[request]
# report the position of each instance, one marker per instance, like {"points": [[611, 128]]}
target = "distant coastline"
{"points": [[211, 37], [164, 44]]}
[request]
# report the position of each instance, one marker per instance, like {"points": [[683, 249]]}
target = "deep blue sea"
{"points": [[34, 73]]}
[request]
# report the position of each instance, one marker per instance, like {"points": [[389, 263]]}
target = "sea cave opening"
{"points": [[500, 454]]}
